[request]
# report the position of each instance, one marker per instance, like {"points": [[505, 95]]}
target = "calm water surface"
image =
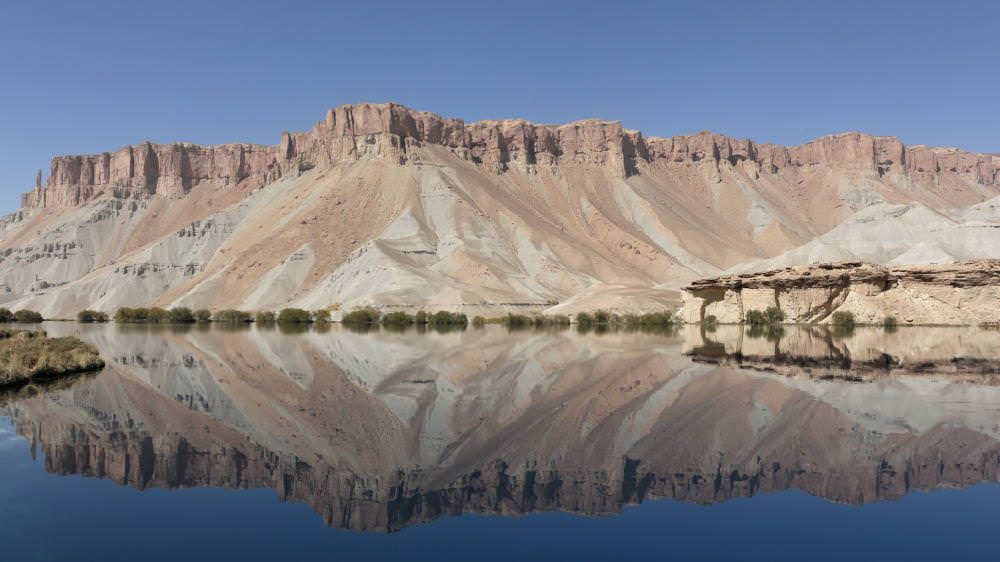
{"points": [[488, 445]]}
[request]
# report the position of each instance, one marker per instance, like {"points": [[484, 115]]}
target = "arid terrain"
{"points": [[387, 206]]}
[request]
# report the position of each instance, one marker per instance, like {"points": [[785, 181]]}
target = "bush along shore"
{"points": [[294, 320], [24, 316], [230, 316], [31, 356]]}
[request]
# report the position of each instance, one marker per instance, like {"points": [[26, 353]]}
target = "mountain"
{"points": [[383, 205]]}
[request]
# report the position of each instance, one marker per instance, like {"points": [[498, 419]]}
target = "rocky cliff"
{"points": [[387, 206], [966, 293], [349, 132]]}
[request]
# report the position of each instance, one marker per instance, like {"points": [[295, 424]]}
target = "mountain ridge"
{"points": [[380, 205], [482, 139]]}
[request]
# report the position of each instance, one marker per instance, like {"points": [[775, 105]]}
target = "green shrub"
{"points": [[294, 316], [478, 322], [361, 316], [157, 315], [755, 317], [232, 316], [181, 315], [517, 321], [774, 315], [602, 318], [445, 318], [321, 316], [88, 316], [6, 315], [710, 322], [264, 317], [843, 318], [420, 318], [27, 316], [127, 314], [890, 324], [203, 315], [658, 319], [584, 319], [398, 319]]}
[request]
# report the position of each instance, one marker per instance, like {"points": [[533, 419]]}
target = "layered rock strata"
{"points": [[350, 131], [966, 293]]}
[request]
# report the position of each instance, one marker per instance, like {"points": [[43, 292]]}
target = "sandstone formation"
{"points": [[387, 206], [966, 293], [495, 423]]}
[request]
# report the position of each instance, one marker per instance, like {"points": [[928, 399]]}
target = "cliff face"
{"points": [[142, 170], [965, 293], [380, 205], [349, 132], [494, 423]]}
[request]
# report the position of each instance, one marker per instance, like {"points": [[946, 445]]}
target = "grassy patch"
{"points": [[26, 356]]}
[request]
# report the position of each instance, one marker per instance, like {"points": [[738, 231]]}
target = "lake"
{"points": [[484, 444]]}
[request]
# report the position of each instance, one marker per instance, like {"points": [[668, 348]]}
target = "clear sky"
{"points": [[87, 77]]}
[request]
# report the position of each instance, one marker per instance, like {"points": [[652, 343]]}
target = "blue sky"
{"points": [[86, 77]]}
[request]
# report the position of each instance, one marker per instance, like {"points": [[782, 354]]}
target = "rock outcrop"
{"points": [[966, 293]]}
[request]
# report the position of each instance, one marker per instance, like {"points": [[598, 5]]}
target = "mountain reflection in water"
{"points": [[382, 430]]}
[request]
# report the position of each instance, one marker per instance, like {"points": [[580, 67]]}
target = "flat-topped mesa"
{"points": [[964, 293], [147, 168], [390, 130], [352, 131]]}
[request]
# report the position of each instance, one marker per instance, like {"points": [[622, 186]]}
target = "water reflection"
{"points": [[378, 431], [856, 353]]}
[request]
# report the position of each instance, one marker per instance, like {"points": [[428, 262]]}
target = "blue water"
{"points": [[484, 422], [49, 517]]}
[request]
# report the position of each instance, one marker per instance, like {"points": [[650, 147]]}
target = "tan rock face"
{"points": [[148, 168], [387, 206], [174, 168], [962, 293]]}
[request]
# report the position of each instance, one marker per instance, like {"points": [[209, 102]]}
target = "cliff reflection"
{"points": [[383, 430], [856, 354]]}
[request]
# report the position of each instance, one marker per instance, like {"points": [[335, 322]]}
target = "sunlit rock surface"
{"points": [[382, 205], [966, 293]]}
